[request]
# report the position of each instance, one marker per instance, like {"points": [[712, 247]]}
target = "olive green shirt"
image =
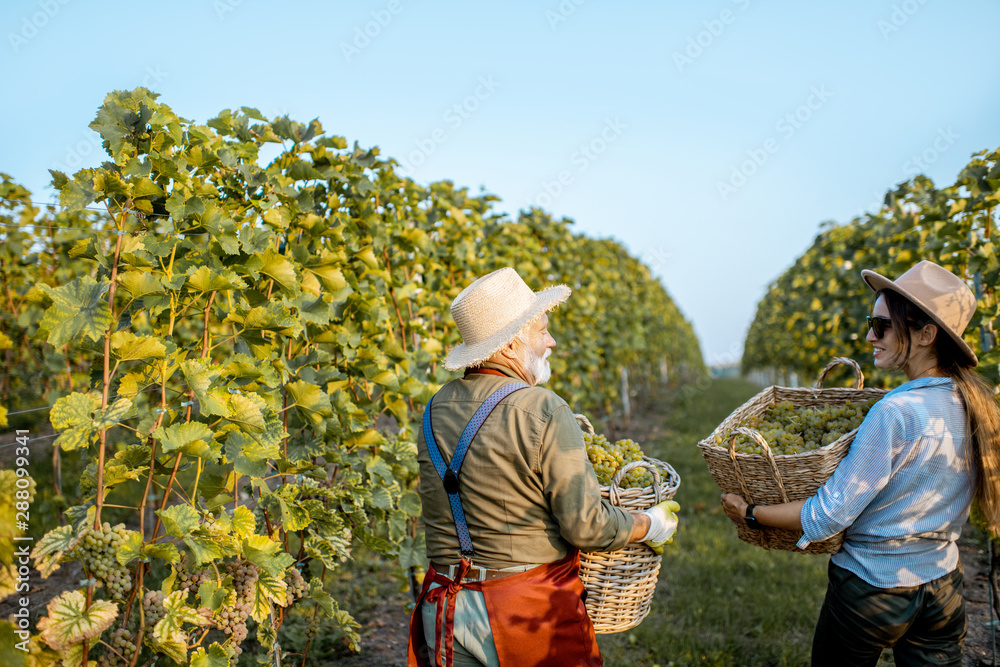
{"points": [[527, 487]]}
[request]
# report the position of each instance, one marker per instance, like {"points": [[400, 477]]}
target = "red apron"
{"points": [[538, 617]]}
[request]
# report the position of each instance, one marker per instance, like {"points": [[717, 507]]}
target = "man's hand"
{"points": [[663, 525]]}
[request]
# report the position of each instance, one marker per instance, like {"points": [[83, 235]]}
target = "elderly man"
{"points": [[509, 496]]}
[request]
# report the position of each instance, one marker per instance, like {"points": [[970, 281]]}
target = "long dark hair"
{"points": [[978, 397]]}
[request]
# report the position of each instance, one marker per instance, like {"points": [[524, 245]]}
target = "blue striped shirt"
{"points": [[903, 491]]}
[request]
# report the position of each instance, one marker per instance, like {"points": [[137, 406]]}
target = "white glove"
{"points": [[662, 525]]}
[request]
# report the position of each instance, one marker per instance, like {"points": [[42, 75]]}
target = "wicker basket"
{"points": [[772, 479], [620, 584]]}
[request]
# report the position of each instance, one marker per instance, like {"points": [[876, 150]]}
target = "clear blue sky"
{"points": [[624, 116]]}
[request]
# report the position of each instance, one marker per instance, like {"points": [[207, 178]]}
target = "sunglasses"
{"points": [[878, 325]]}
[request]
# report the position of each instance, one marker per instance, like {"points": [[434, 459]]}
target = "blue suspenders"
{"points": [[449, 472]]}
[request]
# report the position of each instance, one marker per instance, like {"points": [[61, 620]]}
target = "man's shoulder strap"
{"points": [[448, 472]]}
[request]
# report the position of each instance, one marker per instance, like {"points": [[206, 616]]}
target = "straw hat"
{"points": [[938, 292], [492, 311]]}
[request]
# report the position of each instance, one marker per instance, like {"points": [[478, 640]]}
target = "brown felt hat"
{"points": [[938, 292], [492, 311]]}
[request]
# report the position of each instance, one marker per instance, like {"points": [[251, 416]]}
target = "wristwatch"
{"points": [[751, 521]]}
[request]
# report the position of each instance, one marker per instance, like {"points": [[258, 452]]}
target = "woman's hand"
{"points": [[734, 506]]}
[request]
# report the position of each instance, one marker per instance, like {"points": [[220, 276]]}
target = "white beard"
{"points": [[540, 367]]}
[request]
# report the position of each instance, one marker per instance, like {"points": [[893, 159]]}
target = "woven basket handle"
{"points": [[614, 489], [768, 455], [585, 424], [859, 377]]}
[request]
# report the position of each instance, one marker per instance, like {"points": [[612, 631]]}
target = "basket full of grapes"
{"points": [[783, 444], [620, 584]]}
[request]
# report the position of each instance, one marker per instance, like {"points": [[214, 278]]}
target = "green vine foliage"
{"points": [[239, 351], [816, 309]]}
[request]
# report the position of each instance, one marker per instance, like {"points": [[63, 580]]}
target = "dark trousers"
{"points": [[924, 625]]}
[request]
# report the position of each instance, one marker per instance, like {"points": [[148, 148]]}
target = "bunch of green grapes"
{"points": [[190, 579], [791, 430], [296, 586], [608, 458], [232, 619], [152, 607], [98, 548]]}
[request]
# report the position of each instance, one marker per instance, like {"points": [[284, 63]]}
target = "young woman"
{"points": [[903, 492]]}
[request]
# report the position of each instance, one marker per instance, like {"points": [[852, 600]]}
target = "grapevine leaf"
{"points": [[72, 656], [50, 549], [332, 277], [242, 367], [245, 454], [413, 552], [330, 550], [204, 279], [244, 524], [266, 554], [126, 346], [199, 379], [145, 187], [79, 192], [72, 415], [179, 520], [173, 645], [130, 548], [381, 498], [140, 283], [215, 656], [212, 595], [272, 317], [70, 621], [113, 414], [77, 308], [74, 410], [268, 589], [214, 484], [314, 309], [311, 402], [294, 517], [166, 551], [409, 502], [176, 613], [387, 379], [319, 594], [192, 438], [378, 469], [266, 636], [281, 270], [203, 550], [246, 411]]}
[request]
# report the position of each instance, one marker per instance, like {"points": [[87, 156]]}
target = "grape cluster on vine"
{"points": [[98, 548], [296, 586], [791, 430], [122, 643], [608, 458], [232, 620], [189, 579], [152, 607]]}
